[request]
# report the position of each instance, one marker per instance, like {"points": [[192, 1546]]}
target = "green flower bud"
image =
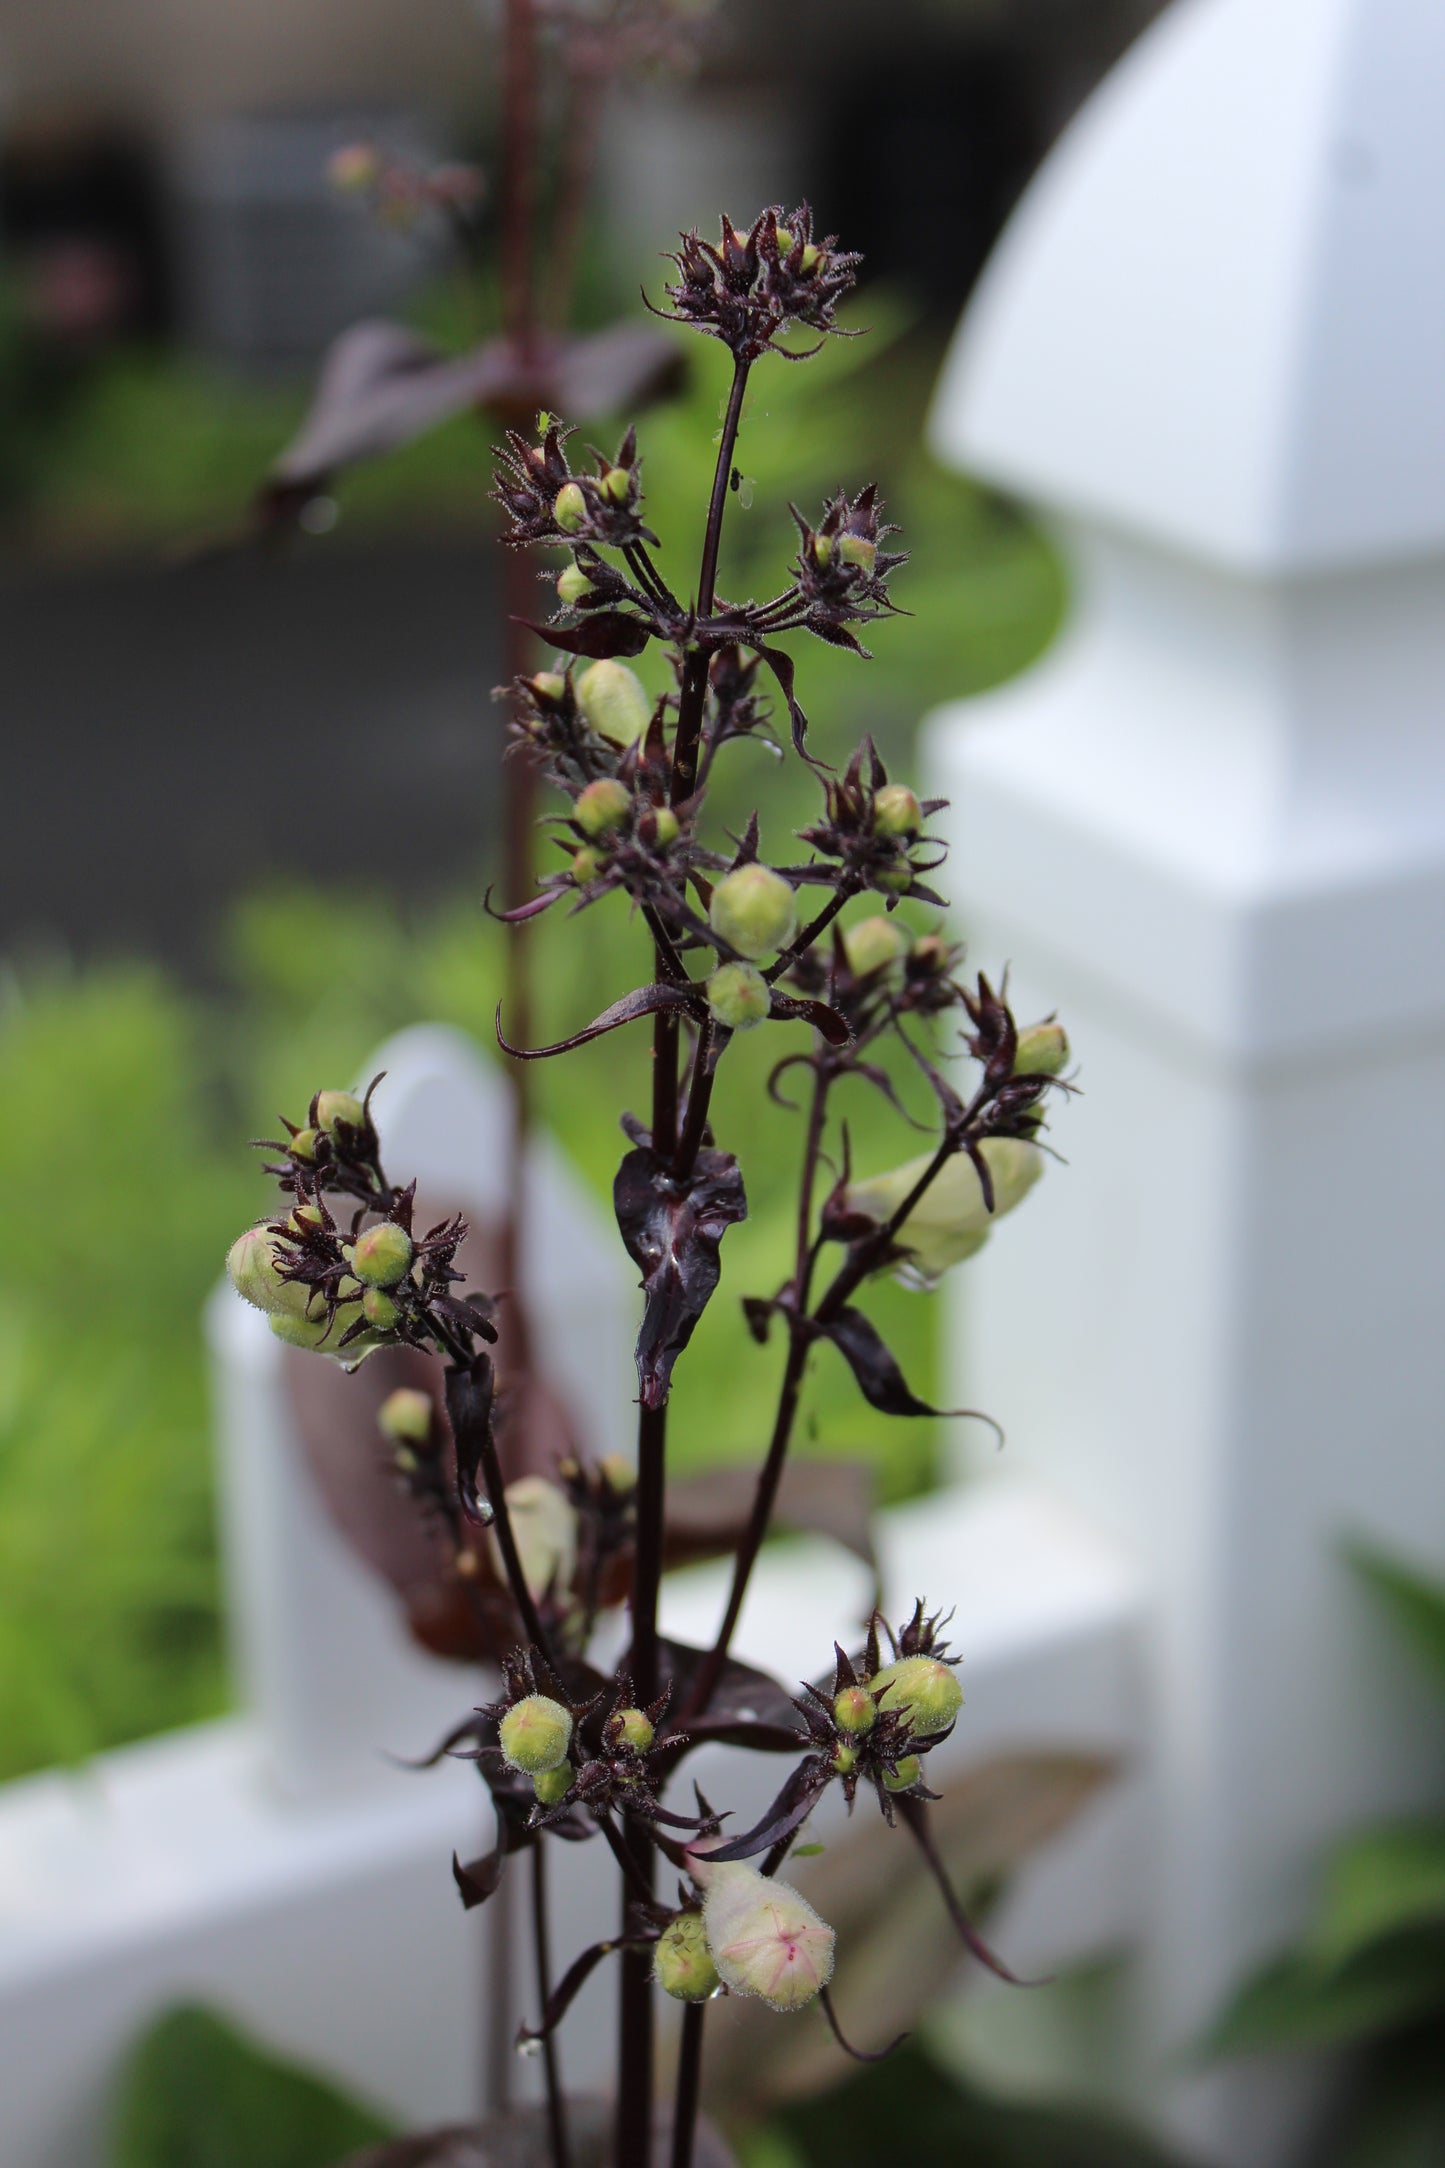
{"points": [[303, 1144], [380, 1312], [754, 910], [382, 1255], [896, 811], [334, 1107], [569, 508], [845, 1760], [586, 865], [548, 685], [634, 1729], [785, 241], [535, 1735], [617, 484], [856, 549], [738, 996], [406, 1414], [251, 1268], [668, 825], [682, 1963], [603, 806], [765, 1939], [921, 1689], [811, 256], [950, 1221], [823, 548], [929, 953], [573, 584], [855, 1711], [312, 1333], [873, 944], [905, 1774], [894, 880], [552, 1785], [1043, 1051], [614, 701], [544, 1526], [620, 1474], [305, 1218]]}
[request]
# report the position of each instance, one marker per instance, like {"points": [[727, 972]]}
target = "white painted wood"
{"points": [[329, 1923], [1210, 830]]}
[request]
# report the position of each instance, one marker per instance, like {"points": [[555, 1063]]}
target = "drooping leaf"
{"points": [[644, 1001], [565, 1993], [197, 2093], [673, 1232], [819, 1014], [745, 1707], [601, 634], [1379, 1884], [794, 1803], [1415, 1602], [470, 1394], [480, 1879], [873, 1364], [1298, 2003]]}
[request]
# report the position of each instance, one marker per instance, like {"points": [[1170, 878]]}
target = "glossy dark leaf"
{"points": [[819, 1014], [794, 1803], [673, 1232], [645, 1001], [602, 634], [742, 1696], [873, 1364], [563, 1995], [480, 1878], [470, 1396], [780, 662]]}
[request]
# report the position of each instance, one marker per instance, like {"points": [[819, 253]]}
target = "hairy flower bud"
{"points": [[406, 1415], [896, 811], [548, 684], [544, 1527], [382, 1255], [535, 1735], [873, 944], [634, 1729], [620, 1474], [303, 1144], [380, 1312], [754, 910], [905, 1774], [950, 1221], [738, 996], [855, 1711], [857, 549], [921, 1689], [1043, 1050], [614, 701], [569, 508], [892, 880], [586, 865], [765, 1939], [668, 825], [312, 1330], [682, 1963], [251, 1268], [617, 484], [334, 1107], [552, 1785], [602, 806], [573, 584]]}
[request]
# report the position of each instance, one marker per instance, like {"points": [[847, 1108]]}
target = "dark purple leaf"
{"points": [[914, 1814], [673, 1231], [470, 1396], [643, 1002], [742, 1695], [859, 2055], [794, 1803], [780, 662], [880, 1380], [604, 634], [817, 1013], [614, 371], [480, 1878], [565, 1992]]}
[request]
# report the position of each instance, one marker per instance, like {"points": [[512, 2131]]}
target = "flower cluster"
{"points": [[749, 287]]}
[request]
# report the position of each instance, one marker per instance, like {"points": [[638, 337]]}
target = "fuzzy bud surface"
{"points": [[406, 1415], [738, 996], [382, 1255], [614, 701], [535, 1735], [682, 1963], [921, 1689], [765, 1939], [602, 806], [754, 910]]}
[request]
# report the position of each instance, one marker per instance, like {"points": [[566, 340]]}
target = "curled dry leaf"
{"points": [[673, 1231]]}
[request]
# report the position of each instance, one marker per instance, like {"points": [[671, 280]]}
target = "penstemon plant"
{"points": [[570, 1751]]}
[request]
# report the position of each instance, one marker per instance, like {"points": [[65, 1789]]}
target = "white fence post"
{"points": [[1210, 828]]}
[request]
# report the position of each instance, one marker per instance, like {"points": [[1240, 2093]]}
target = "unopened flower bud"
{"points": [[548, 684], [614, 701], [682, 1962], [754, 910], [950, 1221], [1043, 1051], [303, 1144], [535, 1735], [251, 1268], [620, 1474], [544, 1528], [668, 825], [905, 1774], [380, 1312], [617, 484], [586, 865], [602, 806], [334, 1107], [823, 548], [318, 1335], [382, 1255], [569, 508], [921, 1689], [857, 550], [552, 1785], [855, 1711], [812, 256], [634, 1729], [929, 953], [573, 584], [305, 1219], [845, 1760], [765, 1939], [873, 944], [896, 810], [406, 1414], [738, 996], [785, 241]]}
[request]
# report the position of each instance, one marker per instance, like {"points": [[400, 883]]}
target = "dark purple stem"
{"points": [[689, 2085]]}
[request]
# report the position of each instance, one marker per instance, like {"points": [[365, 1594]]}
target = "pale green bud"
{"points": [[845, 1760], [905, 1774], [382, 1255], [856, 549], [544, 1527], [573, 584], [380, 1312], [765, 1939], [303, 1144], [586, 865], [311, 1332], [894, 880], [552, 1785], [406, 1414], [921, 1689], [617, 484], [602, 806], [634, 1729], [535, 1735], [855, 1711], [614, 701], [811, 256], [682, 1963], [548, 684], [251, 1268], [1043, 1051], [334, 1107], [738, 996], [569, 508], [754, 910], [668, 825], [950, 1221], [620, 1474], [873, 944], [896, 811]]}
